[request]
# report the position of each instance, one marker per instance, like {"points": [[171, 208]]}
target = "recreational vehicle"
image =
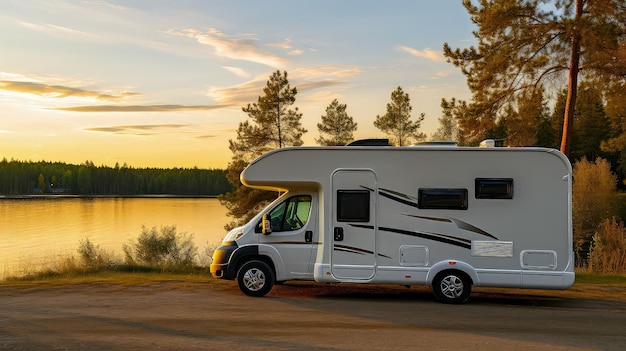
{"points": [[447, 217]]}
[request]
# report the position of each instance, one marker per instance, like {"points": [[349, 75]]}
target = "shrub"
{"points": [[608, 249], [592, 201], [93, 258], [164, 248]]}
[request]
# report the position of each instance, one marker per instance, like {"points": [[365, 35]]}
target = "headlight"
{"points": [[233, 234]]}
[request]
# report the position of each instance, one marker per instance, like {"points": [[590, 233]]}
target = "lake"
{"points": [[35, 231]]}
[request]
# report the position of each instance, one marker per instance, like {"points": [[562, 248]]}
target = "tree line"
{"points": [[27, 177]]}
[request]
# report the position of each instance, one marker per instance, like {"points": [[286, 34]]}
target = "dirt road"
{"points": [[302, 316]]}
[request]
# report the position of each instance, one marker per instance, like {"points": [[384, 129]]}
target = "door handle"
{"points": [[338, 234], [308, 236]]}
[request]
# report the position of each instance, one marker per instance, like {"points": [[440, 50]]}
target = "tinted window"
{"points": [[353, 205], [442, 199], [291, 214], [494, 188]]}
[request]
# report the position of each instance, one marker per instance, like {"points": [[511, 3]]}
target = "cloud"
{"points": [[239, 94], [304, 79], [442, 74], [284, 45], [429, 54], [142, 129], [234, 48], [139, 108], [54, 29], [239, 72], [326, 72], [57, 91], [204, 136], [105, 4], [295, 52]]}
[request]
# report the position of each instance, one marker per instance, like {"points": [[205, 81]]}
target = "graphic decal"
{"points": [[459, 223], [442, 238], [356, 250], [412, 201], [438, 237]]}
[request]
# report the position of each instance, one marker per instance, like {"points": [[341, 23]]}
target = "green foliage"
{"points": [[272, 124], [18, 178], [448, 126], [523, 44], [337, 127], [396, 122], [592, 123], [41, 182], [164, 248], [276, 125], [607, 254], [94, 258], [531, 115], [154, 251], [616, 112], [593, 192]]}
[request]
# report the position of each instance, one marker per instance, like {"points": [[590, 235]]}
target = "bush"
{"points": [[93, 257], [593, 193], [608, 249], [163, 249]]}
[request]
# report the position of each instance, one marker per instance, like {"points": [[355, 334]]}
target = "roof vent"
{"points": [[488, 143], [370, 142]]}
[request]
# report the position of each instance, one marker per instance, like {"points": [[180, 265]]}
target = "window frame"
{"points": [[435, 198], [285, 207], [344, 202], [480, 193]]}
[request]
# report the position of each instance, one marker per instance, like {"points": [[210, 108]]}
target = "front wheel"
{"points": [[452, 287], [255, 278]]}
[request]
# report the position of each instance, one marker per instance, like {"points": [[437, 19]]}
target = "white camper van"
{"points": [[448, 217]]}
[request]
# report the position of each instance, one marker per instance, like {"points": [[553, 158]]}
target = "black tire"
{"points": [[255, 278], [452, 287]]}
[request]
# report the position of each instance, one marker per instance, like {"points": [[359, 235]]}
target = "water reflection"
{"points": [[32, 230]]}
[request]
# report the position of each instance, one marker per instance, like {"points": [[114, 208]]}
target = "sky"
{"points": [[161, 83]]}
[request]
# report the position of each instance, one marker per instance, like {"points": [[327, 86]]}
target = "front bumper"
{"points": [[221, 260]]}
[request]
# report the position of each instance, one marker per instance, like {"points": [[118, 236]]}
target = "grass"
{"points": [[587, 285], [108, 277]]}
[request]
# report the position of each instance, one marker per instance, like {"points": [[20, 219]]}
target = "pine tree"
{"points": [[448, 128], [396, 123], [337, 127], [593, 123], [273, 124], [524, 43], [532, 113]]}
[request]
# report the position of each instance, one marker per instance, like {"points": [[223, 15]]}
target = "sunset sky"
{"points": [[161, 83]]}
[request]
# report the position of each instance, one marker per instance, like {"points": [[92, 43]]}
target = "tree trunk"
{"points": [[572, 83]]}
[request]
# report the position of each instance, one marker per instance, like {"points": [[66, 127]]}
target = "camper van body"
{"points": [[449, 217]]}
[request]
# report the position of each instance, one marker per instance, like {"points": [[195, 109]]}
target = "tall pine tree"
{"points": [[336, 128], [396, 123], [273, 124], [524, 43]]}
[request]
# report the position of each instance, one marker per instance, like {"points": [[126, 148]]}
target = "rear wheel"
{"points": [[255, 278], [452, 287]]}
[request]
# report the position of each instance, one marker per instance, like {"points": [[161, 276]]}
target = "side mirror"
{"points": [[266, 225]]}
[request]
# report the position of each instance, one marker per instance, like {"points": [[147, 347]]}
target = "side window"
{"points": [[291, 214], [353, 205], [493, 188], [442, 199]]}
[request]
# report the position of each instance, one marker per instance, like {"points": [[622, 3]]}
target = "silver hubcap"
{"points": [[452, 286], [254, 279]]}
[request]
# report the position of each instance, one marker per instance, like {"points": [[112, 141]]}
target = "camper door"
{"points": [[354, 224]]}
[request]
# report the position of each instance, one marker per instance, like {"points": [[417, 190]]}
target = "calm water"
{"points": [[34, 231]]}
